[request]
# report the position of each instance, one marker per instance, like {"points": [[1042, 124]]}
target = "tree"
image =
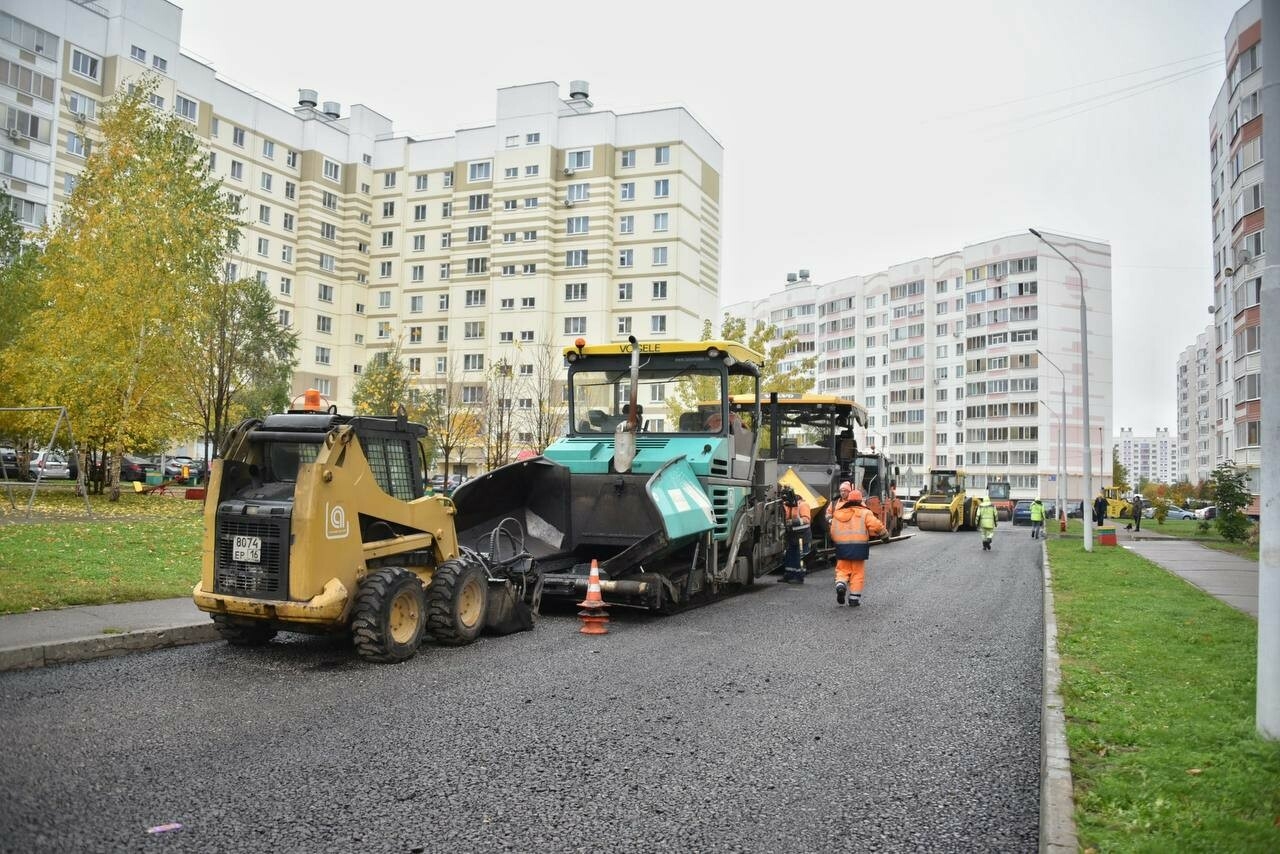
{"points": [[546, 385], [450, 421], [19, 282], [244, 358], [384, 386], [1231, 491], [494, 415], [140, 239], [779, 352]]}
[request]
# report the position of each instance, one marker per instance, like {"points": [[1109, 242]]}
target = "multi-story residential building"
{"points": [[1240, 238], [556, 222], [945, 353], [1149, 458], [1195, 402]]}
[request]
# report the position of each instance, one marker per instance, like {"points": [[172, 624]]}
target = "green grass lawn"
{"points": [[142, 547], [1185, 529], [1158, 681]]}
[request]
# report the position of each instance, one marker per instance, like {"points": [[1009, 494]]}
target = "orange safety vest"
{"points": [[849, 530], [801, 509]]}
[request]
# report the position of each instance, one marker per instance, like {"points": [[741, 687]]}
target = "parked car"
{"points": [[9, 462], [1172, 513], [1022, 512], [49, 465], [173, 467], [908, 511], [135, 468], [1210, 512]]}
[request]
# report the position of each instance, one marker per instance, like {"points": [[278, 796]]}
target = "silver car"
{"points": [[49, 465]]}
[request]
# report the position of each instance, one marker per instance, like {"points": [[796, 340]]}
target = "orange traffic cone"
{"points": [[594, 615]]}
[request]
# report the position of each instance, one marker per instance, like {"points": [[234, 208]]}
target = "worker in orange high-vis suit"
{"points": [[852, 527], [799, 519]]}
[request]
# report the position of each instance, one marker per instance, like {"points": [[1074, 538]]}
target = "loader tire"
{"points": [[243, 632], [389, 618], [457, 602]]}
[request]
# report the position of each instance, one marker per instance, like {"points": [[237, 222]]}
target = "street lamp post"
{"points": [[1062, 458], [1087, 466]]}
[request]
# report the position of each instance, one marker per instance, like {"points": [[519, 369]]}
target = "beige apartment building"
{"points": [[489, 247]]}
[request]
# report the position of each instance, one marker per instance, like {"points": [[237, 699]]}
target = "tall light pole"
{"points": [[1062, 458], [1062, 430], [1084, 392]]}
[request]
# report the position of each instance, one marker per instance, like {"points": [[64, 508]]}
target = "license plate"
{"points": [[247, 550]]}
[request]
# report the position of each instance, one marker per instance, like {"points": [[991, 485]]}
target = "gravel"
{"points": [[772, 721]]}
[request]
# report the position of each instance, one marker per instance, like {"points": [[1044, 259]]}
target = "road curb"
{"points": [[83, 649], [1057, 805]]}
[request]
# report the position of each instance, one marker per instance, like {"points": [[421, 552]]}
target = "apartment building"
{"points": [[470, 251], [946, 352], [1195, 391], [1240, 238], [1150, 458]]}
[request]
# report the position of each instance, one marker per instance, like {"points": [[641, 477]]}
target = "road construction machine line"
{"points": [[676, 514], [320, 523], [945, 506], [1001, 494]]}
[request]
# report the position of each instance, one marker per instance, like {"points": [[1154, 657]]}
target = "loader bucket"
{"points": [[534, 492]]}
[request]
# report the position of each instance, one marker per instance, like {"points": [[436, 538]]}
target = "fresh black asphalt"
{"points": [[770, 721]]}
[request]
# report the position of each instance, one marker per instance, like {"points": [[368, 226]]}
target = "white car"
{"points": [[49, 465]]}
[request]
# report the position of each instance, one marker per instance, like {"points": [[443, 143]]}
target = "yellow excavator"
{"points": [[944, 505]]}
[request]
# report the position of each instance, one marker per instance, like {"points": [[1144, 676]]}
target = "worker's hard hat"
{"points": [[846, 485], [856, 495], [986, 502]]}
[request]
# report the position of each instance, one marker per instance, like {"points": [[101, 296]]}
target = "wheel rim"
{"points": [[470, 603], [404, 617]]}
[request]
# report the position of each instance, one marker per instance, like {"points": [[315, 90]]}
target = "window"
{"points": [[160, 64], [577, 224], [388, 239], [659, 256], [532, 138], [660, 221], [324, 324], [627, 191], [419, 243], [384, 270], [446, 209], [662, 155], [530, 171], [444, 272], [526, 337], [508, 303], [327, 262], [75, 145], [138, 53], [510, 205], [478, 234], [530, 235], [528, 269], [290, 190], [473, 329], [237, 170], [384, 329], [419, 213], [156, 101], [475, 297], [624, 325], [575, 326], [480, 171], [624, 291], [446, 240], [286, 285], [507, 337], [84, 64], [508, 269], [442, 364], [264, 247], [575, 291], [322, 355], [578, 159], [420, 182], [662, 188], [332, 170], [579, 192], [283, 317], [265, 181], [291, 159], [528, 302], [237, 137], [658, 324], [660, 290], [575, 258], [478, 202], [329, 200], [418, 273], [442, 334], [264, 214], [328, 231], [476, 266], [443, 302], [626, 257], [388, 208], [82, 105], [511, 172], [183, 106], [473, 362], [415, 304], [628, 158]]}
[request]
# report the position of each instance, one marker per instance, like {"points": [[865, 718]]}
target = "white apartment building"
{"points": [[1240, 239], [944, 352], [1150, 458], [555, 222], [1195, 402]]}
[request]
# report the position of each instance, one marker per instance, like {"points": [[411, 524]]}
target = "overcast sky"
{"points": [[855, 137]]}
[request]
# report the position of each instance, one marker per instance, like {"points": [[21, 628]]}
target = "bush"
{"points": [[1231, 495]]}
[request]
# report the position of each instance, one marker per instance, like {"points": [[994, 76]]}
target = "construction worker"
{"points": [[988, 518], [799, 518], [1037, 519], [852, 526]]}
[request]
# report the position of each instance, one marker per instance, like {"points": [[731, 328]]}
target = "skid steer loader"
{"points": [[318, 522]]}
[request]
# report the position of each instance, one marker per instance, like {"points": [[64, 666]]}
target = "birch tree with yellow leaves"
{"points": [[137, 246]]}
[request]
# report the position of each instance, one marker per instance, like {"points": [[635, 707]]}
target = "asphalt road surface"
{"points": [[770, 721]]}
